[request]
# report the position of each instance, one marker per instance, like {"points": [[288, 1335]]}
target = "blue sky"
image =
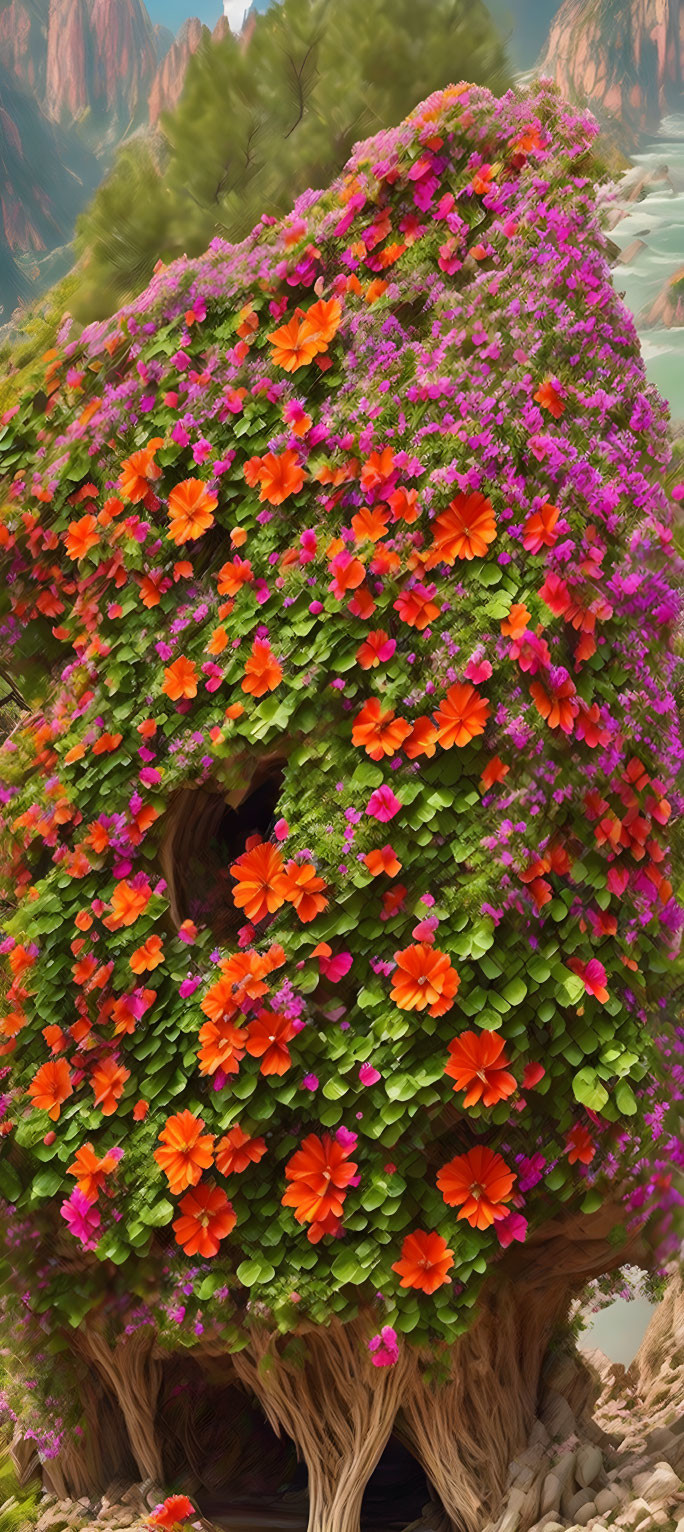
{"points": [[172, 13]]}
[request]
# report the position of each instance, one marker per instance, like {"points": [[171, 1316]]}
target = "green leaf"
{"points": [[588, 1089], [159, 1214], [256, 1270], [625, 1099], [515, 991]]}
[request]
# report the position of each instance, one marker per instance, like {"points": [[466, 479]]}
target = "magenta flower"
{"points": [[512, 1227], [384, 1348], [369, 1075], [82, 1217], [383, 804]]}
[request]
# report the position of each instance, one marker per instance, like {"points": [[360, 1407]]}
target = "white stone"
{"points": [[589, 1465], [660, 1484], [606, 1500]]}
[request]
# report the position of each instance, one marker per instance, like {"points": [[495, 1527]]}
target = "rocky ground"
{"points": [[606, 1451]]}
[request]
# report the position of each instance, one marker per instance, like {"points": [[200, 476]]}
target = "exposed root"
{"points": [[133, 1374], [338, 1409]]}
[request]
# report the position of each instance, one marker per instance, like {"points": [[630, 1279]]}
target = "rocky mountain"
{"points": [[167, 85], [46, 175], [624, 58]]}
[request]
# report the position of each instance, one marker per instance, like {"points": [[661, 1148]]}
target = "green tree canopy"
{"points": [[261, 121]]}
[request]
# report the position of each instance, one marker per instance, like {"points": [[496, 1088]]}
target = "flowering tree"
{"points": [[336, 1030]]}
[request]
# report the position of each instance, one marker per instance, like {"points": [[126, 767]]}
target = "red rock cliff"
{"points": [[625, 58], [167, 85]]}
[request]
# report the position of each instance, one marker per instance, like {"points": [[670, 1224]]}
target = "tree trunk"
{"points": [[464, 1431], [338, 1409], [133, 1374]]}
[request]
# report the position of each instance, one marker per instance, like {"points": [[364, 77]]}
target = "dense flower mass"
{"points": [[338, 836]]}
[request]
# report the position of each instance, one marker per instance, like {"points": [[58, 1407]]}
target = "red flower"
{"points": [[206, 1218], [267, 1038], [320, 1172], [480, 1184], [424, 978], [237, 1150], [425, 1262], [478, 1065], [579, 1145]]}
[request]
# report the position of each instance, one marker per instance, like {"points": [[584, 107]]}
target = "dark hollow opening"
{"points": [[396, 1493], [207, 837]]}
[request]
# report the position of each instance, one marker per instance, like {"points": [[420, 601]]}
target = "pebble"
{"points": [[606, 1500]]}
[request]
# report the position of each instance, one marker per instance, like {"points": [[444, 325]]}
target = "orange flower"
{"points": [[461, 716], [322, 321], [320, 1172], [222, 1046], [480, 1184], [237, 1150], [267, 1038], [463, 531], [494, 771], [303, 889], [379, 733], [478, 1064], [424, 978], [370, 525], [557, 705], [149, 956], [207, 1217], [549, 399], [281, 476], [187, 1151], [425, 1262], [108, 1079], [81, 536], [127, 904], [416, 607], [294, 345], [106, 743], [382, 861], [422, 740], [376, 648], [90, 1171], [191, 511], [260, 886], [139, 471], [180, 679], [140, 1110], [218, 641], [50, 1087], [262, 670], [514, 625], [233, 575], [539, 529]]}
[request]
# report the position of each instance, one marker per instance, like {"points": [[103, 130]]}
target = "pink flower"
{"points": [[593, 976], [82, 1217], [383, 804], [369, 1075], [281, 829], [384, 1348], [477, 670], [334, 968], [513, 1226]]}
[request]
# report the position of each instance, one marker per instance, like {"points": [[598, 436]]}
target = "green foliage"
{"points": [[261, 122]]}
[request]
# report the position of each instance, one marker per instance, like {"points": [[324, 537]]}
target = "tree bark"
{"points": [[338, 1409], [133, 1374]]}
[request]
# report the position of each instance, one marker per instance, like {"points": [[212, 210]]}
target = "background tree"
{"points": [[261, 121]]}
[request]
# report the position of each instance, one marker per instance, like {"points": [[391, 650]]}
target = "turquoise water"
{"points": [[659, 220]]}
